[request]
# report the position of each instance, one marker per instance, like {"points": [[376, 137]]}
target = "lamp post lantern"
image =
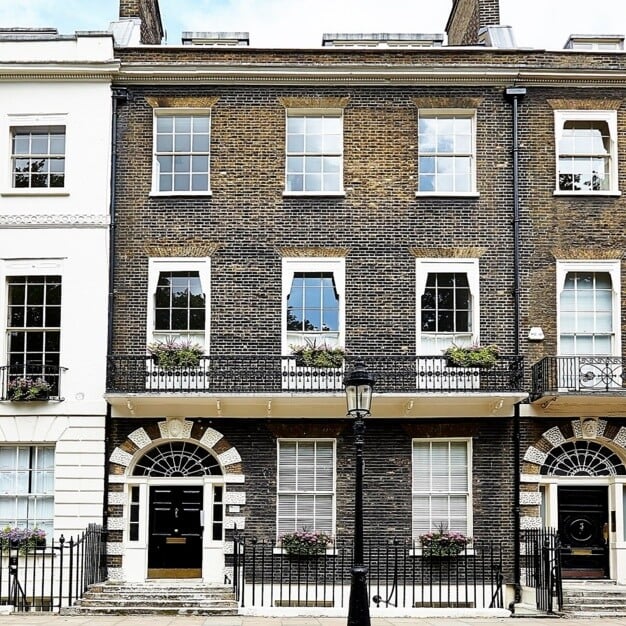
{"points": [[359, 384]]}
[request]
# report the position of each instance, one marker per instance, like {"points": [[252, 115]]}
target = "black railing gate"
{"points": [[542, 564]]}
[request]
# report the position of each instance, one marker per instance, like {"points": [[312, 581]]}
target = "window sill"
{"points": [[180, 194], [609, 194], [314, 194], [35, 192], [447, 194]]}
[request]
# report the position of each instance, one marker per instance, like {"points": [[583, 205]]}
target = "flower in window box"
{"points": [[175, 353], [24, 539], [472, 356], [443, 542], [305, 542], [312, 355], [28, 389]]}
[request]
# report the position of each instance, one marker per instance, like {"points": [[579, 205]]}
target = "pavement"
{"points": [[34, 619]]}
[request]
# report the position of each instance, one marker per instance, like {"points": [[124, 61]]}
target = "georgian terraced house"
{"points": [[385, 196]]}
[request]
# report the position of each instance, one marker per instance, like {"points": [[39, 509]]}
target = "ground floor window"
{"points": [[441, 486], [27, 487]]}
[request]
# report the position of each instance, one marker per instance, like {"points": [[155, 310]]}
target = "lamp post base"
{"points": [[359, 607]]}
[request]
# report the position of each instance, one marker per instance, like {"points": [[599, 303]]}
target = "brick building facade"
{"points": [[384, 178]]}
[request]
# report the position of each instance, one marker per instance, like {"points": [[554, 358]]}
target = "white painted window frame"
{"points": [[470, 114], [182, 112], [425, 266], [574, 115], [316, 112], [156, 265], [612, 267], [291, 265]]}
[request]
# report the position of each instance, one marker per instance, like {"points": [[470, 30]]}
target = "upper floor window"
{"points": [[38, 157], [586, 145], [306, 486], [446, 152], [34, 327], [178, 306], [181, 147], [314, 153], [313, 296], [441, 486], [448, 311], [589, 308]]}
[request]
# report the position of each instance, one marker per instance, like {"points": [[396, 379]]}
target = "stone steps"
{"points": [[162, 598], [597, 599]]}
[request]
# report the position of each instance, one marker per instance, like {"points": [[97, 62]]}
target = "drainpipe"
{"points": [[119, 95], [514, 95]]}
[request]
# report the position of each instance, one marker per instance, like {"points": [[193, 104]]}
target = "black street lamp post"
{"points": [[359, 384]]}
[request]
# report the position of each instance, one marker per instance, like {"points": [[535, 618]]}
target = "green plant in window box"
{"points": [[311, 354], [472, 356], [24, 539], [28, 389], [305, 542], [443, 542], [175, 353]]}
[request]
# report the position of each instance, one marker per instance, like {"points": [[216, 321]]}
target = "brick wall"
{"points": [[468, 17], [148, 11]]}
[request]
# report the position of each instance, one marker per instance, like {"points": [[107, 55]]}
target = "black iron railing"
{"points": [[398, 576], [541, 567], [54, 576], [260, 373], [562, 374], [23, 383]]}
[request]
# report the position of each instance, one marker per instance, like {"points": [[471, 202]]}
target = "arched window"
{"points": [[582, 458], [177, 459]]}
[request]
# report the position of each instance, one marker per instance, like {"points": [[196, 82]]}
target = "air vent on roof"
{"points": [[595, 42], [215, 39], [382, 40]]}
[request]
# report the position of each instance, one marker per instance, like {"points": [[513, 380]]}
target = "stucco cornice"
{"points": [[55, 71], [54, 221]]}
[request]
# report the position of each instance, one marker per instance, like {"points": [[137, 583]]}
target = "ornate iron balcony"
{"points": [[252, 373], [554, 375]]}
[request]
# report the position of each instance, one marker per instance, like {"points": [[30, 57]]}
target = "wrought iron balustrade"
{"points": [[252, 373], [578, 374], [398, 577]]}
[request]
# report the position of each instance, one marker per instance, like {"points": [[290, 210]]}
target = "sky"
{"points": [[301, 23]]}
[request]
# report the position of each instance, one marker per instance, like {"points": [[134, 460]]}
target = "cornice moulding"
{"points": [[54, 221]]}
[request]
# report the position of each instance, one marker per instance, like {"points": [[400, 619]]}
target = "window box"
{"points": [[305, 544], [172, 354], [29, 390], [483, 357], [322, 356]]}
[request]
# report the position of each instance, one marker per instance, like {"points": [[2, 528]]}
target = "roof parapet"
{"points": [[214, 38], [382, 40]]}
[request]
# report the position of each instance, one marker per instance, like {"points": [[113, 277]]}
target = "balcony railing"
{"points": [[578, 374], [268, 374], [22, 383]]}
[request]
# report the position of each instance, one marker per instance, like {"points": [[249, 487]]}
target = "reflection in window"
{"points": [[586, 319], [27, 487], [446, 310], [585, 156], [446, 153], [314, 153], [180, 304], [313, 303], [38, 157], [182, 152]]}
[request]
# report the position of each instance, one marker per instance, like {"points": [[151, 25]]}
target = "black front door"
{"points": [[175, 540], [583, 526]]}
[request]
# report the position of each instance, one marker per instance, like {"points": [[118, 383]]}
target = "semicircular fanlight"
{"points": [[582, 458], [177, 459]]}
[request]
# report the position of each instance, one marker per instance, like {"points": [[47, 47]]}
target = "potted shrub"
{"points": [[305, 542], [472, 356], [173, 353], [443, 543], [25, 539], [28, 389], [312, 355]]}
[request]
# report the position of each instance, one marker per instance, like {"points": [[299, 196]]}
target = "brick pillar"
{"points": [[467, 17]]}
